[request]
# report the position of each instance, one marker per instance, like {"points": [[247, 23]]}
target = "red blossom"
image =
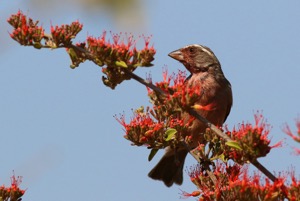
{"points": [[178, 94], [62, 35], [297, 151], [12, 193], [117, 56], [252, 139], [15, 181], [288, 131], [235, 183], [149, 128], [147, 40], [26, 31], [193, 194], [296, 137], [142, 129], [109, 53]]}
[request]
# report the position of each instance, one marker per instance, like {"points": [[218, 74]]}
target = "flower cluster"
{"points": [[12, 193], [252, 141], [249, 142], [26, 32], [118, 56], [62, 35], [234, 183], [178, 95], [114, 57], [166, 123], [295, 137], [143, 130]]}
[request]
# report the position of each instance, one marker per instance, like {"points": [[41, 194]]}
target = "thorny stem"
{"points": [[191, 111]]}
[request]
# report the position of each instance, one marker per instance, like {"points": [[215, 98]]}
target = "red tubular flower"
{"points": [[12, 193], [118, 56], [235, 183], [178, 95], [150, 128], [295, 137], [62, 35], [252, 139], [147, 54], [26, 31], [193, 194], [143, 130], [288, 131]]}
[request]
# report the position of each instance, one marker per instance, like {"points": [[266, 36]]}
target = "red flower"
{"points": [[150, 127], [235, 183], [12, 193], [26, 31], [295, 137], [252, 139], [62, 35], [142, 129]]}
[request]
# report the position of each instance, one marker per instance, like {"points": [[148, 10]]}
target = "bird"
{"points": [[206, 72]]}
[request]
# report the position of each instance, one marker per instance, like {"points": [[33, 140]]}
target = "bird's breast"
{"points": [[213, 103]]}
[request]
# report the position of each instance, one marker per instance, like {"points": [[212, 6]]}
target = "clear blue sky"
{"points": [[56, 124]]}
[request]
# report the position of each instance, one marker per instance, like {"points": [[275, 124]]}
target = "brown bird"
{"points": [[216, 93]]}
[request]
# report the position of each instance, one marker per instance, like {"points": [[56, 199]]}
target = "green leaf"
{"points": [[234, 145], [169, 134], [152, 154], [73, 57], [221, 157], [137, 65], [121, 64]]}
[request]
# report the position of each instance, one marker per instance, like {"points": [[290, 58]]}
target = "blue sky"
{"points": [[57, 126]]}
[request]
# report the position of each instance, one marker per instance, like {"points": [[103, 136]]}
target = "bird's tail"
{"points": [[169, 168]]}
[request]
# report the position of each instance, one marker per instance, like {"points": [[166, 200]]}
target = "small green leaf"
{"points": [[234, 145], [152, 154], [137, 65], [72, 53], [121, 64], [73, 57], [169, 135], [221, 157]]}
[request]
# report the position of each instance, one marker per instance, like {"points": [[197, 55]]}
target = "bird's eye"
{"points": [[191, 49]]}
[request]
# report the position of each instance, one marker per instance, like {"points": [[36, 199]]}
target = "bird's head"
{"points": [[196, 58]]}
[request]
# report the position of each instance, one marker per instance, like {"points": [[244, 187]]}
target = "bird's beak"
{"points": [[177, 54]]}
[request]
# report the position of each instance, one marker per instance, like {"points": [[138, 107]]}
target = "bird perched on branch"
{"points": [[216, 95]]}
